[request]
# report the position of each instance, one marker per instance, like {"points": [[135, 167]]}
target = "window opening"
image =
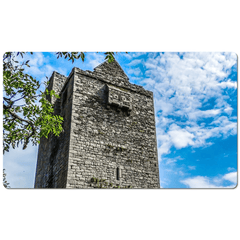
{"points": [[64, 97], [118, 173]]}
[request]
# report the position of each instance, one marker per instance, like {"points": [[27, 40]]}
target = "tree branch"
{"points": [[24, 120]]}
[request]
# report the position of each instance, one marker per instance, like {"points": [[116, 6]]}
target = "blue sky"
{"points": [[195, 98]]}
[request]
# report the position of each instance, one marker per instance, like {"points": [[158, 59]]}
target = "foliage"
{"points": [[24, 119], [109, 56], [71, 55], [76, 55], [27, 113], [5, 183]]}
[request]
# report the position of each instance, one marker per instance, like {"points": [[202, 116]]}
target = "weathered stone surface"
{"points": [[119, 97], [108, 140]]}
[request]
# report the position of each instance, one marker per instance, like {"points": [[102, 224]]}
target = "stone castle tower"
{"points": [[109, 137]]}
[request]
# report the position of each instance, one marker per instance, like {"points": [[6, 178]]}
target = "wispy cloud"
{"points": [[182, 85], [192, 167], [207, 182], [135, 62], [135, 71], [231, 169], [94, 59], [173, 160], [180, 137], [232, 177]]}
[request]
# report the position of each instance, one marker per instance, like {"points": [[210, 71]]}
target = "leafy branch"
{"points": [[27, 114], [5, 183], [34, 117]]}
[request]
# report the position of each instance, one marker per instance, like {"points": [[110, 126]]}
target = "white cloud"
{"points": [[134, 62], [165, 145], [181, 173], [173, 160], [228, 110], [198, 182], [36, 61], [135, 71], [164, 106], [207, 182], [182, 88], [198, 114], [192, 167], [94, 63], [48, 70], [180, 137], [94, 59], [228, 84], [232, 177], [138, 54], [128, 55], [35, 71], [170, 161]]}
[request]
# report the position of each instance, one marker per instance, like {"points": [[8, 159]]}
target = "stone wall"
{"points": [[109, 133], [56, 83], [53, 153]]}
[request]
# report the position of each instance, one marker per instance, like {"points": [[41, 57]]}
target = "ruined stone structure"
{"points": [[109, 137]]}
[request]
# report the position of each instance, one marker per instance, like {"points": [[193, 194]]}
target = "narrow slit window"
{"points": [[118, 173], [64, 97]]}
